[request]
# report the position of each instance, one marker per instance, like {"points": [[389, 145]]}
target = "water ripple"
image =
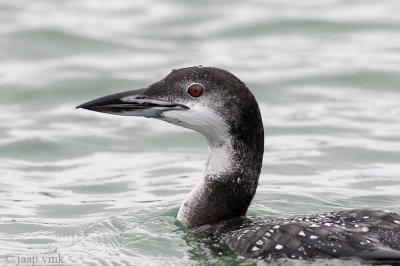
{"points": [[105, 190]]}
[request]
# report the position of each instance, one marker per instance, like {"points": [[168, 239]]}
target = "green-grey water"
{"points": [[95, 189]]}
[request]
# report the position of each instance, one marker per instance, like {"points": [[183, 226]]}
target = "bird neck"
{"points": [[230, 179]]}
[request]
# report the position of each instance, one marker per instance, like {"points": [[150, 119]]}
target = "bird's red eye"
{"points": [[195, 90]]}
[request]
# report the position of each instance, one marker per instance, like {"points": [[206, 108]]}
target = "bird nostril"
{"points": [[141, 97]]}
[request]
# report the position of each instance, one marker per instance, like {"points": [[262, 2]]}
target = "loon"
{"points": [[218, 105]]}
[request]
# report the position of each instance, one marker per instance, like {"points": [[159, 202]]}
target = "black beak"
{"points": [[131, 103]]}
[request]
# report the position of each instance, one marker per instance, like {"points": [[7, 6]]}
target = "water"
{"points": [[96, 189]]}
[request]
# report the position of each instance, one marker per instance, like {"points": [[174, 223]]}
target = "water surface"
{"points": [[105, 190]]}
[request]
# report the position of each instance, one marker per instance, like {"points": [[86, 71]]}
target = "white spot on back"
{"points": [[260, 242], [255, 249], [301, 233], [278, 247], [313, 237], [364, 229]]}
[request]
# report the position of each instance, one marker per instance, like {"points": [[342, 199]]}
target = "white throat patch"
{"points": [[219, 159], [201, 119], [207, 122]]}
